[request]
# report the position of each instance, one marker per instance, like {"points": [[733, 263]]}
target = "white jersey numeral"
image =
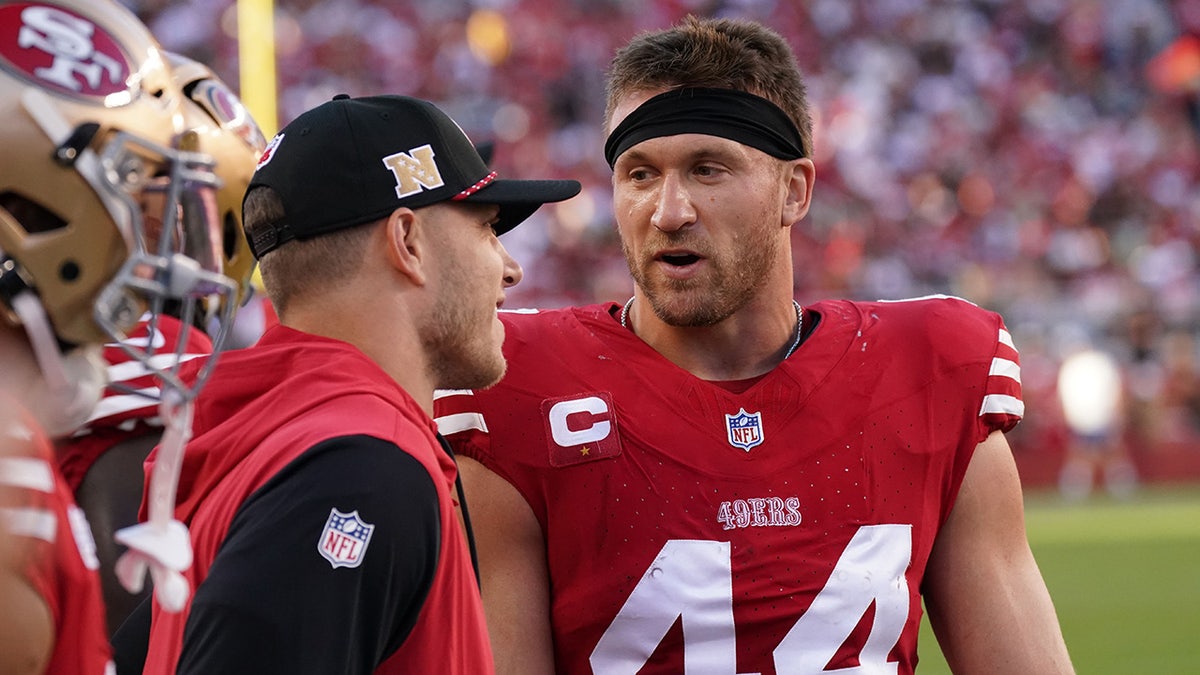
{"points": [[692, 580]]}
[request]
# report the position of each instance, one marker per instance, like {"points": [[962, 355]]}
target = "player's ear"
{"points": [[407, 246], [799, 174]]}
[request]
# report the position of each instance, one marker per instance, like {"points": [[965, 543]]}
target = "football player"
{"points": [[710, 477], [107, 214], [102, 461]]}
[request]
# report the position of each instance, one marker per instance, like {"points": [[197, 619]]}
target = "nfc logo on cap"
{"points": [[414, 170]]}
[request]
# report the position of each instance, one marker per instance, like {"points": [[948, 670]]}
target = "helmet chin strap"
{"points": [[161, 545], [72, 383]]}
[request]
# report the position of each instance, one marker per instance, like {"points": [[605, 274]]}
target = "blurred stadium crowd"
{"points": [[1038, 157]]}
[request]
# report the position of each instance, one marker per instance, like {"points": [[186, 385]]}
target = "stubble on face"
{"points": [[462, 350], [734, 274], [460, 336]]}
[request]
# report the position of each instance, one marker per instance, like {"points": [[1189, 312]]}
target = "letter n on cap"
{"points": [[414, 170]]}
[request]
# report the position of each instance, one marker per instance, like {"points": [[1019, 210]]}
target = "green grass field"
{"points": [[1125, 578]]}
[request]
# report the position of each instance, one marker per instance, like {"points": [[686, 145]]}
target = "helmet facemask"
{"points": [[176, 266], [112, 212], [162, 200]]}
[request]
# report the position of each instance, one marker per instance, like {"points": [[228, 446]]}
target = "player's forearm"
{"points": [[1028, 635], [1024, 638]]}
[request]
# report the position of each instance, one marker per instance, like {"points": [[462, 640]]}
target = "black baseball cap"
{"points": [[350, 161]]}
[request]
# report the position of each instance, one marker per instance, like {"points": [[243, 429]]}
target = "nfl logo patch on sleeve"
{"points": [[344, 539]]}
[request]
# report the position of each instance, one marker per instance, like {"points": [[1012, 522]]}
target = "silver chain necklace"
{"points": [[795, 343]]}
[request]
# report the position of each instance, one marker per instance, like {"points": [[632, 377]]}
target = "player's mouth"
{"points": [[678, 262]]}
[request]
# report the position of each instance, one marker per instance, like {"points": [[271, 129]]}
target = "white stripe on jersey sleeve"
{"points": [[1002, 403], [1006, 339], [1005, 368], [130, 370], [28, 522], [112, 405], [453, 424], [28, 473], [933, 296]]}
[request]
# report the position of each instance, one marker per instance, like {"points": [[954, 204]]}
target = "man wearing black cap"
{"points": [[320, 499]]}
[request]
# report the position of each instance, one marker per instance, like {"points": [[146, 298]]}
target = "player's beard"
{"points": [[460, 337], [733, 277]]}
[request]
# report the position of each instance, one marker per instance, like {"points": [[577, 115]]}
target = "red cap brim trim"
{"points": [[483, 182]]}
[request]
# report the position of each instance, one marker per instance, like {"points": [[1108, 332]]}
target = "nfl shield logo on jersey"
{"points": [[344, 540], [744, 429]]}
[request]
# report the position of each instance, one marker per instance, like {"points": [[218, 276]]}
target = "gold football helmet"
{"points": [[109, 206], [228, 134]]}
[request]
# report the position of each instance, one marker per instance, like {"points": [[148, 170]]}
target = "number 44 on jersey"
{"points": [[692, 580]]}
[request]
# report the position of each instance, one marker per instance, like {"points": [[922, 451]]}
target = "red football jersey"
{"points": [[61, 559], [120, 415], [784, 529]]}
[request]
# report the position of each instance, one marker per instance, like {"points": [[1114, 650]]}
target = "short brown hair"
{"points": [[723, 53], [300, 267]]}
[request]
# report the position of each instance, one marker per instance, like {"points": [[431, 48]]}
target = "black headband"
{"points": [[727, 113]]}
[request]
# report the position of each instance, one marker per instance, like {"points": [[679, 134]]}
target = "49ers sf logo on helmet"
{"points": [[61, 50]]}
